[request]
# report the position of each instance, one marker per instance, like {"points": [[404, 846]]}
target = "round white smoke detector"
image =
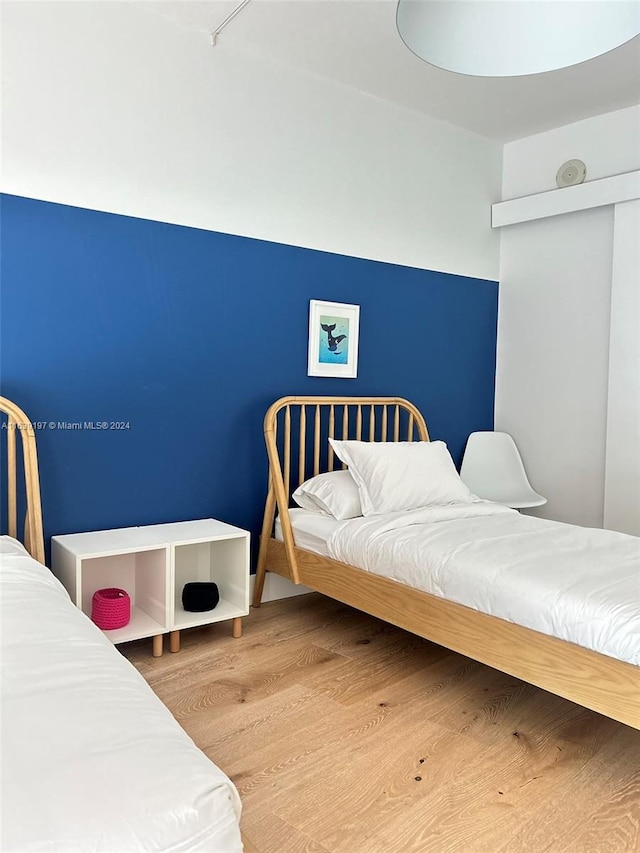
{"points": [[571, 173]]}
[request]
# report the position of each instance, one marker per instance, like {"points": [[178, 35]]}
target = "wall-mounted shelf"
{"points": [[604, 191]]}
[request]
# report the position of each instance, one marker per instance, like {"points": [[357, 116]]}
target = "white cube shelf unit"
{"points": [[153, 564]]}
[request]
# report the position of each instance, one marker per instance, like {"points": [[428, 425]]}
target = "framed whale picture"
{"points": [[333, 339]]}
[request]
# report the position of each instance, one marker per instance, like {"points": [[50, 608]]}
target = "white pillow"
{"points": [[334, 493], [394, 476]]}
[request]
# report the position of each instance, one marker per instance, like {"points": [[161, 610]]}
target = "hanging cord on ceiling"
{"points": [[227, 20]]}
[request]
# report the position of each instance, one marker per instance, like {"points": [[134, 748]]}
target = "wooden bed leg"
{"points": [[237, 627], [174, 641], [157, 645], [267, 526], [261, 573]]}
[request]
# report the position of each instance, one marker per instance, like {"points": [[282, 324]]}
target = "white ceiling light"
{"points": [[510, 38]]}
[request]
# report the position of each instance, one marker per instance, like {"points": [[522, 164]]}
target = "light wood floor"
{"points": [[346, 735]]}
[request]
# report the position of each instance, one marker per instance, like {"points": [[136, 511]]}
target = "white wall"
{"points": [[110, 107], [622, 459], [553, 342], [552, 385]]}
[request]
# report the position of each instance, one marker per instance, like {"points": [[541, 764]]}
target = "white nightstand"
{"points": [[153, 564]]}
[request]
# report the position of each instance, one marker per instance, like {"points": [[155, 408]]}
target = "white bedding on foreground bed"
{"points": [[91, 759], [575, 583]]}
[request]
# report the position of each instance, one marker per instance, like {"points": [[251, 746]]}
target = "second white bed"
{"points": [[578, 584]]}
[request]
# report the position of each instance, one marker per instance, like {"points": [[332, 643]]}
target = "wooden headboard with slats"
{"points": [[297, 430], [18, 423]]}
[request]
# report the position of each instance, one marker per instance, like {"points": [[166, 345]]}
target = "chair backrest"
{"points": [[493, 469]]}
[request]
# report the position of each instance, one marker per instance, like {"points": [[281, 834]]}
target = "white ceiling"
{"points": [[355, 43]]}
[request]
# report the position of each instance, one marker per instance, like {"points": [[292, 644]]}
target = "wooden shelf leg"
{"points": [[157, 645], [174, 641], [237, 626]]}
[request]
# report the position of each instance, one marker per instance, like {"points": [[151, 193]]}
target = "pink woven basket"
{"points": [[111, 608]]}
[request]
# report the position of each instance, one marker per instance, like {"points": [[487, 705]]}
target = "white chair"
{"points": [[493, 470]]}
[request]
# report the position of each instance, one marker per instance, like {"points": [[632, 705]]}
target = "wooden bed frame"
{"points": [[599, 682], [18, 422]]}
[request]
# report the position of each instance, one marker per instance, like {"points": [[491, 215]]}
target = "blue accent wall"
{"points": [[188, 336]]}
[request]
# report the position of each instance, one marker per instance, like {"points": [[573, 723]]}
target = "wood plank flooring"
{"points": [[346, 735]]}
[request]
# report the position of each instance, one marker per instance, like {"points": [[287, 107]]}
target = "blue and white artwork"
{"points": [[334, 340]]}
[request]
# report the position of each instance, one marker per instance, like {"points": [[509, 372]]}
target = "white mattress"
{"points": [[311, 530], [92, 760], [578, 584]]}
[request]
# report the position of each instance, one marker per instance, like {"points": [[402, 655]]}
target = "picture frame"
{"points": [[334, 329]]}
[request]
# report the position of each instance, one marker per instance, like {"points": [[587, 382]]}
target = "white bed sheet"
{"points": [[578, 584], [311, 530], [91, 759]]}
